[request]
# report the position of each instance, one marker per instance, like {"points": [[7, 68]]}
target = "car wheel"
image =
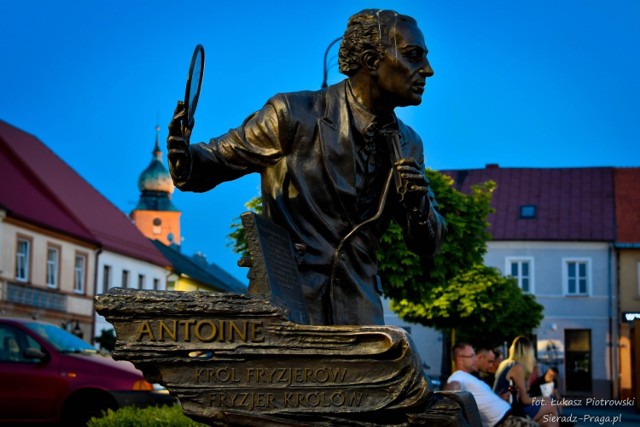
{"points": [[81, 407]]}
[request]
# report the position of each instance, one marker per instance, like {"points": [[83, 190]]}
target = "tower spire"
{"points": [[155, 215], [156, 150]]}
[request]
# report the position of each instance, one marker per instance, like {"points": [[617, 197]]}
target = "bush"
{"points": [[152, 416]]}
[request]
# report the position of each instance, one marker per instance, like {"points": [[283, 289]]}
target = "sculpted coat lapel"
{"points": [[338, 148]]}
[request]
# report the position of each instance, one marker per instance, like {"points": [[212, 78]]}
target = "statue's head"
{"points": [[367, 30], [389, 49]]}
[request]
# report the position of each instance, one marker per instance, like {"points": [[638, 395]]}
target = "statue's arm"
{"points": [[178, 155], [248, 148], [423, 227]]}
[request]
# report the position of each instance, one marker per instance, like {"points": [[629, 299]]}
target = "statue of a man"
{"points": [[326, 160]]}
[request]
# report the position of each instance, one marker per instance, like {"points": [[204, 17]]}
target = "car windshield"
{"points": [[61, 339]]}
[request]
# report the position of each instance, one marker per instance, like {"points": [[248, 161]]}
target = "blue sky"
{"points": [[542, 83]]}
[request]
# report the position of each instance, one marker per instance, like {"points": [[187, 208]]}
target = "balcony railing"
{"points": [[34, 297]]}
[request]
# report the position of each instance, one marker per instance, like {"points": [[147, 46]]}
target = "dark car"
{"points": [[50, 375]]}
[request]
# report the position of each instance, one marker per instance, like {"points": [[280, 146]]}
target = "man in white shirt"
{"points": [[493, 410]]}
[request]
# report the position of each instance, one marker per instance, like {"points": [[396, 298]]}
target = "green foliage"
{"points": [[237, 238], [464, 246], [482, 305], [107, 339], [152, 416]]}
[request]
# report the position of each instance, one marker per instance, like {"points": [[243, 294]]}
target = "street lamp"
{"points": [[76, 330], [326, 53]]}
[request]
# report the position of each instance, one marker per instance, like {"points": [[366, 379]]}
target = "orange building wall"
{"points": [[169, 223]]}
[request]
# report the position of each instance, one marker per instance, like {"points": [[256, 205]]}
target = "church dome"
{"points": [[156, 177]]}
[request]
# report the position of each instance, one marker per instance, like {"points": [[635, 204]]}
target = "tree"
{"points": [[107, 339], [482, 306], [237, 238], [454, 291]]}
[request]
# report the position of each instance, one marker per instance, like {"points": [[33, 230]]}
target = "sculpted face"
{"points": [[403, 71]]}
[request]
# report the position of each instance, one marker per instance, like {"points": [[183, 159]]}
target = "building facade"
{"points": [[46, 274], [573, 281], [117, 270], [554, 231], [62, 241], [627, 249]]}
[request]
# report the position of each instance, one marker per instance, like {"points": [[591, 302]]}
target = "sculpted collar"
{"points": [[363, 118]]}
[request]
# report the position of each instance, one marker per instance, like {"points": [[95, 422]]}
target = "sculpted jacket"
{"points": [[302, 146]]}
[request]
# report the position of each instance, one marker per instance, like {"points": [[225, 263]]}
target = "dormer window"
{"points": [[528, 211]]}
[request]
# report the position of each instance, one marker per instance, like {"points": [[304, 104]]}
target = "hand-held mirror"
{"points": [[194, 83]]}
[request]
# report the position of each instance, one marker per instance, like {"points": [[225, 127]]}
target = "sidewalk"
{"points": [[623, 416]]}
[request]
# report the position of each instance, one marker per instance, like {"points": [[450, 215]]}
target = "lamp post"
{"points": [[326, 53]]}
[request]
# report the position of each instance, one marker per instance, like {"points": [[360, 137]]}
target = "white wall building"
{"points": [[116, 270], [574, 283]]}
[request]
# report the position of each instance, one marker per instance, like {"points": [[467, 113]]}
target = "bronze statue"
{"points": [[337, 166], [327, 161]]}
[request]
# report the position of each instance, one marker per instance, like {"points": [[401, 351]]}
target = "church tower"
{"points": [[155, 215]]}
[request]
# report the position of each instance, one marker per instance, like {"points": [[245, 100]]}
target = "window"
{"points": [[23, 252], [156, 284], [577, 273], [53, 266], [140, 281], [157, 229], [13, 343], [79, 273], [528, 211], [125, 278], [522, 270], [106, 278]]}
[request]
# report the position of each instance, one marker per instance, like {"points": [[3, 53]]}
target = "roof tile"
{"points": [[572, 203]]}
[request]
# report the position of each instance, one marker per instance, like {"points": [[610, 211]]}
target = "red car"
{"points": [[50, 375]]}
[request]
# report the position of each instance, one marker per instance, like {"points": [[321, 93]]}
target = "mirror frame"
{"points": [[190, 99]]}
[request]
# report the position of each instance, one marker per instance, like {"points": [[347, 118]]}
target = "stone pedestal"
{"points": [[237, 360]]}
